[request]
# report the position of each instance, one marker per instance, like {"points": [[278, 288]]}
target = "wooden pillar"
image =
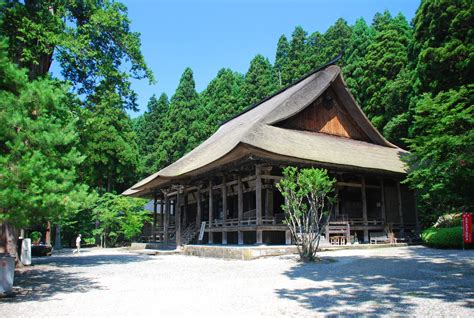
{"points": [[178, 218], [382, 202], [224, 209], [364, 210], [417, 221], [47, 239], [240, 208], [155, 206], [258, 204], [199, 209], [269, 201], [337, 208], [166, 218], [185, 208], [162, 221], [400, 208], [211, 208], [288, 237]]}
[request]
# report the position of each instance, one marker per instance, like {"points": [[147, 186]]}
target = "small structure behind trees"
{"points": [[309, 198]]}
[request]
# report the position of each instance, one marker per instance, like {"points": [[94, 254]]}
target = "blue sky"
{"points": [[207, 35]]}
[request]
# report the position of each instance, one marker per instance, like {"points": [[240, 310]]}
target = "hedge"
{"points": [[449, 237]]}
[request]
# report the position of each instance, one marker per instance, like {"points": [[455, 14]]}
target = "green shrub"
{"points": [[89, 241], [35, 236], [446, 237]]}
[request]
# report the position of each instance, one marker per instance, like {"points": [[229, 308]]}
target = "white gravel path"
{"points": [[112, 282]]}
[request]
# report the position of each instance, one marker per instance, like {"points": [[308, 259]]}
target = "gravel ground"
{"points": [[390, 281]]}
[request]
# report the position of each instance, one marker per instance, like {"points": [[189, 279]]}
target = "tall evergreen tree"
{"points": [[354, 60], [297, 54], [282, 61], [441, 137], [222, 98], [444, 38], [110, 144], [185, 122], [38, 151], [260, 80], [157, 109], [335, 39], [386, 57]]}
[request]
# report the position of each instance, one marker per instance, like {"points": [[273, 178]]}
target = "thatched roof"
{"points": [[254, 133]]}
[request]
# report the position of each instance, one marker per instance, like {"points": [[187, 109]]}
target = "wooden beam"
{"points": [[166, 219], [178, 219], [155, 206], [355, 185], [364, 210], [400, 208], [269, 201], [240, 208], [224, 208], [259, 236], [185, 208], [211, 208], [382, 202], [288, 237], [198, 209], [258, 198]]}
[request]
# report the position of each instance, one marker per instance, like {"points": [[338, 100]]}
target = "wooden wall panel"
{"points": [[326, 115]]}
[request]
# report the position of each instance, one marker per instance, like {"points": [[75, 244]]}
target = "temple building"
{"points": [[229, 180]]}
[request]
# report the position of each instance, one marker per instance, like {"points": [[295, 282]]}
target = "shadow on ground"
{"points": [[46, 278], [41, 285], [85, 260], [383, 285]]}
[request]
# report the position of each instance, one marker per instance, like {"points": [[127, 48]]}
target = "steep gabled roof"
{"points": [[256, 130]]}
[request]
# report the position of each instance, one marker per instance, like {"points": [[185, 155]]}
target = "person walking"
{"points": [[78, 245]]}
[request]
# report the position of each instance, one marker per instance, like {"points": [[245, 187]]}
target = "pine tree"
{"points": [[282, 61], [260, 80], [354, 60], [38, 150], [441, 137], [297, 55], [184, 122], [335, 39], [445, 42], [222, 98], [386, 57], [110, 144]]}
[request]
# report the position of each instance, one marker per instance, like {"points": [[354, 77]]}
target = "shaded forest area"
{"points": [[66, 142]]}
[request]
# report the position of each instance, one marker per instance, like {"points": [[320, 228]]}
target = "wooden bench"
{"points": [[382, 237]]}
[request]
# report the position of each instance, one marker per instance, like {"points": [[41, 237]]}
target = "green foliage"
{"points": [[442, 150], [38, 149], [91, 41], [118, 215], [110, 144], [260, 81], [446, 237], [444, 40], [222, 98], [309, 200], [35, 236], [386, 57]]}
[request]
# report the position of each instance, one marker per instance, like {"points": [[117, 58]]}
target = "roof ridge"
{"points": [[316, 70]]}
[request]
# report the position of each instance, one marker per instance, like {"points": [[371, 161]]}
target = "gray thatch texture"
{"points": [[253, 130]]}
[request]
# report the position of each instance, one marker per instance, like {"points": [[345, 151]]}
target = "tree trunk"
{"points": [[9, 241]]}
